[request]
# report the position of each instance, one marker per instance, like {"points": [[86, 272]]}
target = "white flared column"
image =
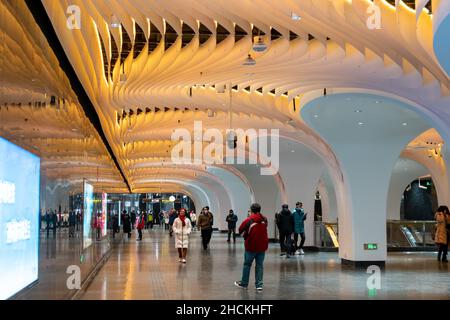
{"points": [[367, 134]]}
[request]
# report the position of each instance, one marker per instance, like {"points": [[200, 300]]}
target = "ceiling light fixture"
{"points": [[316, 116], [258, 44], [358, 111], [360, 124], [404, 124], [249, 61], [295, 16], [115, 23]]}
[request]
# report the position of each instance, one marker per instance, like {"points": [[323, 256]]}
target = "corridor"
{"points": [[150, 270]]}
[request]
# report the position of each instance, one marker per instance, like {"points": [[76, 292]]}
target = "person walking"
{"points": [[161, 219], [231, 219], [140, 224], [285, 224], [166, 220], [126, 223], [54, 223], [78, 221], [205, 223], [193, 219], [133, 219], [115, 225], [72, 223], [441, 237], [254, 230], [299, 227], [150, 219], [182, 227], [48, 220]]}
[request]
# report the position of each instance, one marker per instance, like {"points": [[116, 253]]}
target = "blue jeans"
{"points": [[259, 269]]}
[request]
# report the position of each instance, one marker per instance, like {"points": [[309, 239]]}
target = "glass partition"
{"points": [[400, 234]]}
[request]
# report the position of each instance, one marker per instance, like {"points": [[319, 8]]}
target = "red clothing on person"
{"points": [[255, 228], [141, 223]]}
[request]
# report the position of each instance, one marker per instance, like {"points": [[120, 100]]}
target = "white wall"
{"points": [[266, 192]]}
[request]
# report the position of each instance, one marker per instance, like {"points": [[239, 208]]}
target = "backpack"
{"points": [[251, 226]]}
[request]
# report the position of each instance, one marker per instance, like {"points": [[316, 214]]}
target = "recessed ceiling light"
{"points": [[74, 129], [292, 150], [316, 116], [295, 16], [360, 123], [404, 124], [358, 111], [377, 102]]}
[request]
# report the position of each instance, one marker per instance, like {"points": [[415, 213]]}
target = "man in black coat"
{"points": [[126, 224], [72, 223], [285, 223], [54, 223], [115, 225], [133, 218], [231, 220]]}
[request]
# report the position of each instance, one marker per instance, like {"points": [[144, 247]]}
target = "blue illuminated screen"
{"points": [[88, 208], [19, 218]]}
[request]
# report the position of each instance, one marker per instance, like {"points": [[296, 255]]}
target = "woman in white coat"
{"points": [[182, 228]]}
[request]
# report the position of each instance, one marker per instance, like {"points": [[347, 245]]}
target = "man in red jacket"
{"points": [[140, 224], [254, 230]]}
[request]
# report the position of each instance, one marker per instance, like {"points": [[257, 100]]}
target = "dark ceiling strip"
{"points": [[42, 19]]}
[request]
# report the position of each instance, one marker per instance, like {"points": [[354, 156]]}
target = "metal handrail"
{"points": [[422, 232]]}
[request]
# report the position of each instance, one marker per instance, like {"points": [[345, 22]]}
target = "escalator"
{"points": [[409, 236]]}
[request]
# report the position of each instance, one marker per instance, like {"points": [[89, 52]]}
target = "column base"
{"points": [[362, 264]]}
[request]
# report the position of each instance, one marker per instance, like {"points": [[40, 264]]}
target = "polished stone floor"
{"points": [[56, 254], [150, 270]]}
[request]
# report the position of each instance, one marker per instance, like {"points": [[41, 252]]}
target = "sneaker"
{"points": [[184, 261], [288, 256], [302, 252], [239, 285], [259, 289], [282, 254], [180, 260], [297, 252]]}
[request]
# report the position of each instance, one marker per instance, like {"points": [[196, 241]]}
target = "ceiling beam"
{"points": [[43, 21]]}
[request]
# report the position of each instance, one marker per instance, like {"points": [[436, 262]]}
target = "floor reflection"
{"points": [[210, 274]]}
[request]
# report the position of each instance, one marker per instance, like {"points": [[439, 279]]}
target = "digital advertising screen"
{"points": [[88, 208], [104, 214], [19, 218]]}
